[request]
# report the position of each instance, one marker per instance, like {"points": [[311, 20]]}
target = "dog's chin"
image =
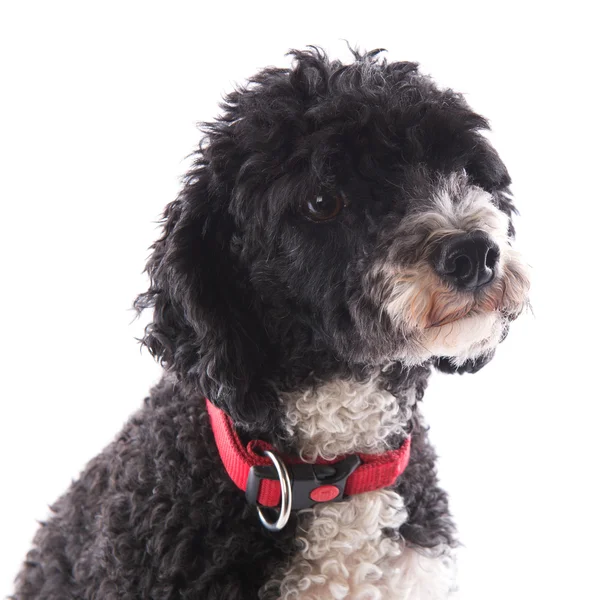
{"points": [[469, 337]]}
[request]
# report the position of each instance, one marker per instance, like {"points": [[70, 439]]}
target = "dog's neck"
{"points": [[345, 415], [345, 412]]}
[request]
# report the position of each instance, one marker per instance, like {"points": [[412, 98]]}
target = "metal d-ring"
{"points": [[285, 508]]}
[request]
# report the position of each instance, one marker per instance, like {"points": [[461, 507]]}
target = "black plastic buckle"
{"points": [[307, 480]]}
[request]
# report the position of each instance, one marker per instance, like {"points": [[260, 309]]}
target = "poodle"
{"points": [[344, 230]]}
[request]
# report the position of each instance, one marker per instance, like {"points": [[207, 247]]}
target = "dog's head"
{"points": [[351, 213]]}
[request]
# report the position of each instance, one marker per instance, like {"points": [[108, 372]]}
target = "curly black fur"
{"points": [[251, 299], [151, 517]]}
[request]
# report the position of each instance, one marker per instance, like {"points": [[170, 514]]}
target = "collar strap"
{"points": [[325, 480]]}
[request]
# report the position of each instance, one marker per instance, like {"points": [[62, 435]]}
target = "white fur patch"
{"points": [[466, 338], [455, 209], [343, 550], [344, 554], [426, 575], [344, 416]]}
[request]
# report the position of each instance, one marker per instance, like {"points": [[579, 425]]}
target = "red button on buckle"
{"points": [[324, 493]]}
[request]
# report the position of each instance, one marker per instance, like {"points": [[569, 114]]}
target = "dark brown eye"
{"points": [[324, 207]]}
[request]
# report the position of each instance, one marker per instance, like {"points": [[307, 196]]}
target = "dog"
{"points": [[344, 230]]}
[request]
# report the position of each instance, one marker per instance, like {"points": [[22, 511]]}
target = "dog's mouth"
{"points": [[434, 304], [451, 318], [508, 315], [447, 321], [461, 325], [442, 305]]}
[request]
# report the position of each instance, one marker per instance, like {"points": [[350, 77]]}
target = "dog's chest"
{"points": [[343, 551], [344, 548]]}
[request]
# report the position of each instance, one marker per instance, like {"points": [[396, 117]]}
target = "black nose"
{"points": [[468, 261]]}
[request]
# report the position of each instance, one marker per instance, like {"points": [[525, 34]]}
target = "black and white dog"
{"points": [[345, 228]]}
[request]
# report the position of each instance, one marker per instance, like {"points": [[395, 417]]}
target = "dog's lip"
{"points": [[446, 321], [453, 319]]}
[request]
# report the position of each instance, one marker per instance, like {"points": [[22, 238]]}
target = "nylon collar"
{"points": [[325, 480]]}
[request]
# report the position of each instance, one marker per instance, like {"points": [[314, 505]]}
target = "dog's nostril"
{"points": [[461, 266], [491, 259], [467, 260]]}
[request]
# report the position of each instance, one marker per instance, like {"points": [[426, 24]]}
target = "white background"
{"points": [[98, 109]]}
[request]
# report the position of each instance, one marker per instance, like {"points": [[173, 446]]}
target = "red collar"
{"points": [[252, 472]]}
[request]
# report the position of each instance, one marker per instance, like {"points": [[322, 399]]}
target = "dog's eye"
{"points": [[324, 207]]}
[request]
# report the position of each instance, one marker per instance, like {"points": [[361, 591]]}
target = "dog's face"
{"points": [[369, 200], [354, 208]]}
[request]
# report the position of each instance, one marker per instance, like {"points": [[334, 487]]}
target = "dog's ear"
{"points": [[445, 365], [202, 327]]}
